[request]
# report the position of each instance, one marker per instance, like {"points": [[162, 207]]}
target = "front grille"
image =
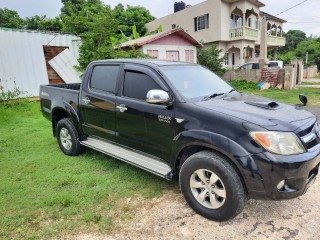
{"points": [[306, 131], [310, 137]]}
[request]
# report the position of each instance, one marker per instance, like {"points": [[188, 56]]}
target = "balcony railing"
{"points": [[243, 32], [276, 40], [254, 34]]}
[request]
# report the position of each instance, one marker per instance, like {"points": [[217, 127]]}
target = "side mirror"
{"points": [[303, 99], [158, 97]]}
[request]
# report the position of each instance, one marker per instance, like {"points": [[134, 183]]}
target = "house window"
{"points": [[153, 53], [201, 22], [190, 56], [173, 26], [226, 59], [236, 21]]}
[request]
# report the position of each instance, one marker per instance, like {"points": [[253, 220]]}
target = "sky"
{"points": [[305, 17]]}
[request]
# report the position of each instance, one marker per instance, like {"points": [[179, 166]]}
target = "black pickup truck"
{"points": [[180, 120]]}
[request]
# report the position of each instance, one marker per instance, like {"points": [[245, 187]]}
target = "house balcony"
{"points": [[246, 33], [276, 40]]}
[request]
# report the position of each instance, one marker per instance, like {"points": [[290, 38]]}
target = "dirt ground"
{"points": [[169, 217]]}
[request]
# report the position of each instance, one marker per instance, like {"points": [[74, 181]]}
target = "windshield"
{"points": [[195, 82]]}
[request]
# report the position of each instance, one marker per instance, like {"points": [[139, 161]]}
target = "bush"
{"points": [[241, 84], [10, 97]]}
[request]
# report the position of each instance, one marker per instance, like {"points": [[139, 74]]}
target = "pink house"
{"points": [[173, 45]]}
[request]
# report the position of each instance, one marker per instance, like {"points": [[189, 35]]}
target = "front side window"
{"points": [[104, 78], [201, 22], [136, 85], [195, 82]]}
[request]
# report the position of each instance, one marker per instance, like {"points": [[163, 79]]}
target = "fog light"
{"points": [[281, 185]]}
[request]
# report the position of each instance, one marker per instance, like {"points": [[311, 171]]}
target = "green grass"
{"points": [[289, 96], [310, 83], [44, 193]]}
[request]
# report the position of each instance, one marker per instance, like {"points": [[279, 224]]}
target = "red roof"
{"points": [[151, 38]]}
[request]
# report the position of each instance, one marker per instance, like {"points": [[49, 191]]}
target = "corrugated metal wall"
{"points": [[22, 61]]}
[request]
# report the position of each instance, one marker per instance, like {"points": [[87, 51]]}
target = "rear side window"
{"points": [[104, 78], [136, 85]]}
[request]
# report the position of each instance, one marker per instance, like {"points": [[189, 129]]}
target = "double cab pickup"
{"points": [[181, 121]]}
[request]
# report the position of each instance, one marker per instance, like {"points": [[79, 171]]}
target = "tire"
{"points": [[68, 138], [212, 187]]}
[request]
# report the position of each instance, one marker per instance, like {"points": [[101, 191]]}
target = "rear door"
{"points": [[98, 101], [140, 125]]}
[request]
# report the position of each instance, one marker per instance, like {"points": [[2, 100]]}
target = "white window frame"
{"points": [[201, 22]]}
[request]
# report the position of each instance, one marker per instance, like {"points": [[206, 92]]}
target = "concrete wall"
{"points": [[252, 75], [310, 72]]}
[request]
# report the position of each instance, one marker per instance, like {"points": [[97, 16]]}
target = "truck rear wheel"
{"points": [[211, 186], [68, 138]]}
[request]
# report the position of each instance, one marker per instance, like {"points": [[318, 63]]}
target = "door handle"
{"points": [[122, 108], [86, 100]]}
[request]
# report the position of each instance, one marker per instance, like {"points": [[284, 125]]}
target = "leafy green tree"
{"points": [[10, 19], [43, 23], [312, 47], [210, 58], [293, 38], [132, 16]]}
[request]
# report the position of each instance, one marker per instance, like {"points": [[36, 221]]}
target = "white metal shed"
{"points": [[22, 57]]}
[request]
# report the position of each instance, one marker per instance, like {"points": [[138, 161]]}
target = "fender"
{"points": [[240, 158], [71, 112]]}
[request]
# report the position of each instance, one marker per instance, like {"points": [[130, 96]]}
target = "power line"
{"points": [[292, 7]]}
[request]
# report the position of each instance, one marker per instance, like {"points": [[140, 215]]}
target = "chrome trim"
{"points": [[122, 108], [157, 97], [309, 138]]}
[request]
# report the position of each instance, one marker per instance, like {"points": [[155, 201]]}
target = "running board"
{"points": [[139, 160]]}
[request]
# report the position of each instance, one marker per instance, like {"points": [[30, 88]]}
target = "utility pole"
{"points": [[307, 55]]}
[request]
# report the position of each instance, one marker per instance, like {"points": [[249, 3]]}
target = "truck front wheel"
{"points": [[211, 186], [68, 138]]}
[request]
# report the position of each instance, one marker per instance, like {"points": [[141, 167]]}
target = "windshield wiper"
{"points": [[212, 96], [227, 93]]}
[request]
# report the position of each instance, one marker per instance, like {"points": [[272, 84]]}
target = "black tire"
{"points": [[68, 138], [225, 198]]}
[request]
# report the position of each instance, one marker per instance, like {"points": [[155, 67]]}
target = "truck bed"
{"points": [[52, 96]]}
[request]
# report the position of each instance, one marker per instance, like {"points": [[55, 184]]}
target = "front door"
{"points": [[98, 102], [140, 125], [173, 56]]}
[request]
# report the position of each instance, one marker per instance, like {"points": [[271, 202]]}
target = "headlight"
{"points": [[284, 143]]}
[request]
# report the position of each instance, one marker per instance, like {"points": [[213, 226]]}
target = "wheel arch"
{"points": [[191, 142], [67, 111]]}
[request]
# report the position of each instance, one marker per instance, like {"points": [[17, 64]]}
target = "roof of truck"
{"points": [[153, 62]]}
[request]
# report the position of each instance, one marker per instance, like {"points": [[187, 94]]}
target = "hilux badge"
{"points": [[165, 119]]}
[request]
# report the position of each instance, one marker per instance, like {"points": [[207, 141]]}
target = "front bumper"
{"points": [[298, 171]]}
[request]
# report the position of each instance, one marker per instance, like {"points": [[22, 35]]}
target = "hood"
{"points": [[264, 112]]}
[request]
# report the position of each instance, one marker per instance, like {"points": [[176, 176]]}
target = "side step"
{"points": [[142, 161]]}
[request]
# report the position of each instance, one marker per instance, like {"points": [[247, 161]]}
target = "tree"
{"points": [[132, 16], [293, 38], [210, 58], [10, 19], [312, 47], [43, 23]]}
